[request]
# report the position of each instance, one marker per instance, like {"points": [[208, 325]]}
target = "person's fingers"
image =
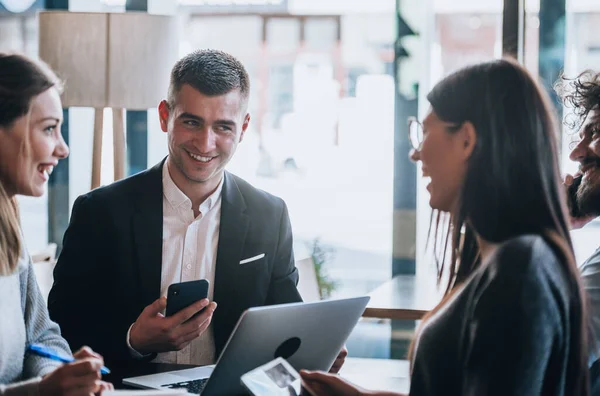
{"points": [[313, 388], [86, 383], [200, 319], [83, 367], [192, 334], [89, 389], [579, 222], [180, 346], [568, 180], [155, 308], [339, 361], [343, 353], [85, 352], [106, 386], [158, 306], [318, 376], [337, 366], [316, 382], [186, 313], [331, 383], [94, 386], [78, 392], [194, 324]]}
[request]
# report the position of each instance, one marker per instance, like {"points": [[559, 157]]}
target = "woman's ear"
{"points": [[469, 138]]}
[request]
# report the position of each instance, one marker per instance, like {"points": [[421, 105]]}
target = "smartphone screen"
{"points": [[572, 197], [184, 294]]}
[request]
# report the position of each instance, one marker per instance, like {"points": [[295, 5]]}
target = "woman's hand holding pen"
{"points": [[79, 378]]}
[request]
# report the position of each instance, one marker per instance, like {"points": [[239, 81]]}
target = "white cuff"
{"points": [[134, 354]]}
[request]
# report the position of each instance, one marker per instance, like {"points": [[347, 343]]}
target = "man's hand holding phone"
{"points": [[153, 332]]}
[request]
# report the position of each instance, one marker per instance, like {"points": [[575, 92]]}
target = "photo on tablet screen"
{"points": [[280, 375]]}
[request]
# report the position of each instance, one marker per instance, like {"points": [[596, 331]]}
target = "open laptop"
{"points": [[308, 335]]}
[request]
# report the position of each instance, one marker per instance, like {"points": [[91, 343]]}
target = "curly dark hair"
{"points": [[581, 93]]}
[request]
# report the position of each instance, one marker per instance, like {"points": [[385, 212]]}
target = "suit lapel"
{"points": [[232, 236], [147, 235]]}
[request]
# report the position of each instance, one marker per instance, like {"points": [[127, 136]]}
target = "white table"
{"points": [[378, 374], [403, 297]]}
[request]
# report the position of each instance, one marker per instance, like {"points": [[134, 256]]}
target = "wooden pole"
{"points": [[97, 147], [119, 144]]}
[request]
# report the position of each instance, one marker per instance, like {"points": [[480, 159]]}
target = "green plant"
{"points": [[321, 255]]}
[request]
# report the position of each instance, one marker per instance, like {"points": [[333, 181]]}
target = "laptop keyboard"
{"points": [[195, 386]]}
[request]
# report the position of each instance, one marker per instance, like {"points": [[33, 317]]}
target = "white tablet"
{"points": [[277, 377]]}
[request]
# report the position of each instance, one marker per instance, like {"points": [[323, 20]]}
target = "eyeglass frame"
{"points": [[414, 121]]}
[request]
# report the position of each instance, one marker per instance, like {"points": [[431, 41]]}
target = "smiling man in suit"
{"points": [[184, 219]]}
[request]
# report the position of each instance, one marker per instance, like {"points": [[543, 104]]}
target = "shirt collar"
{"points": [[176, 197], [212, 199]]}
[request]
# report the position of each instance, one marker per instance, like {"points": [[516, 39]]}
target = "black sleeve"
{"points": [[79, 300], [284, 276], [514, 326]]}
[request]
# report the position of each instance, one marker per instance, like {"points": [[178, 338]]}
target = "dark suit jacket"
{"points": [[110, 265]]}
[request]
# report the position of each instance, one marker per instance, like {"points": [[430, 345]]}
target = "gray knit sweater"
{"points": [[24, 320]]}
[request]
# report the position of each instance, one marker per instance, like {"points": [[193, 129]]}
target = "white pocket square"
{"points": [[251, 259]]}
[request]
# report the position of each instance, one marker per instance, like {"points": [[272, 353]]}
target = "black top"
{"points": [[507, 332], [110, 265]]}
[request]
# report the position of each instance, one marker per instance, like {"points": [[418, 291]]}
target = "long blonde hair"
{"points": [[10, 235], [21, 80]]}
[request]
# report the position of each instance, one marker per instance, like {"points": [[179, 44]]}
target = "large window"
{"points": [[322, 105], [462, 33], [321, 131]]}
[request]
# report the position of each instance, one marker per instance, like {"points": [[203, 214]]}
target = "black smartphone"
{"points": [[184, 294], [572, 197]]}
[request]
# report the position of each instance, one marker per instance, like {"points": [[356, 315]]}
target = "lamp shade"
{"points": [[118, 60]]}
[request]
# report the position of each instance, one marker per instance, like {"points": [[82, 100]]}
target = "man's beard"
{"points": [[588, 193]]}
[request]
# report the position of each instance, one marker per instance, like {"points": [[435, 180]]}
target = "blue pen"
{"points": [[49, 353]]}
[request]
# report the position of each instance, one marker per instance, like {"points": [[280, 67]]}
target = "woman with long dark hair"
{"points": [[513, 320], [30, 146]]}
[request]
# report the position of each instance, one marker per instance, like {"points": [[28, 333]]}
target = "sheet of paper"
{"points": [[149, 392]]}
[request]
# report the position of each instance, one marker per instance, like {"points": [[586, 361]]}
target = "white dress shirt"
{"points": [[189, 252]]}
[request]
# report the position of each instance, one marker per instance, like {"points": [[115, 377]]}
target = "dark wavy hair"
{"points": [[581, 93]]}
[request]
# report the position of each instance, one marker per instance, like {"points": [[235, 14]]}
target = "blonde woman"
{"points": [[30, 147]]}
